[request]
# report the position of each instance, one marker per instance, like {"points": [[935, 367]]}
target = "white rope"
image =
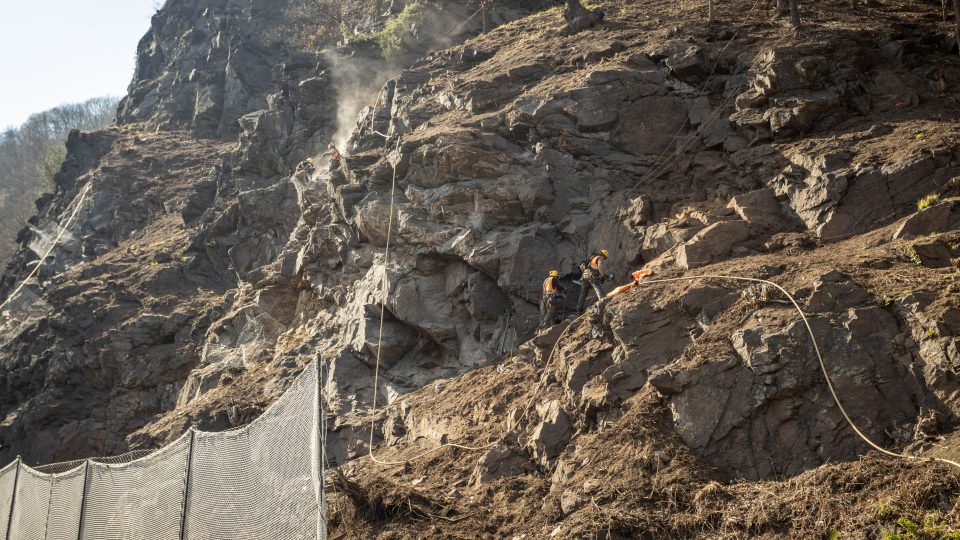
{"points": [[63, 229], [542, 382], [816, 348], [384, 290]]}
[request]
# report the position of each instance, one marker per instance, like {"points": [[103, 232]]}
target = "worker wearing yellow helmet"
{"points": [[592, 277], [550, 299], [305, 166]]}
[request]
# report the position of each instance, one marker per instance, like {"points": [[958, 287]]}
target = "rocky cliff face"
{"points": [[200, 276]]}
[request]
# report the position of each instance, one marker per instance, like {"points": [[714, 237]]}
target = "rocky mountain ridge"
{"points": [[201, 277]]}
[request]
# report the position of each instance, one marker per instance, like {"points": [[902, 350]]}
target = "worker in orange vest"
{"points": [[552, 293], [593, 277], [638, 276], [332, 153]]}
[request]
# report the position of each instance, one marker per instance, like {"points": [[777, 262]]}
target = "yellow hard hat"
{"points": [[309, 160], [605, 253], [554, 273]]}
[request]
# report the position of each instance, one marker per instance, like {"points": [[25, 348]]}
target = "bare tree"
{"points": [[781, 7], [709, 11], [50, 163], [795, 14], [31, 154]]}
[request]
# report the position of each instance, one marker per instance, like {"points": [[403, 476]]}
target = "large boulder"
{"points": [[759, 208], [767, 411], [713, 243], [941, 217]]}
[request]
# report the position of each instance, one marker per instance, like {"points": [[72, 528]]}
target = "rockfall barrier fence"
{"points": [[262, 481]]}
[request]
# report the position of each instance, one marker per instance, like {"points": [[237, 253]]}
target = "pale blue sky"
{"points": [[64, 51]]}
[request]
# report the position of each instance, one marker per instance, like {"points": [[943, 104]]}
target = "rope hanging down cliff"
{"points": [[56, 241], [542, 381], [384, 290]]}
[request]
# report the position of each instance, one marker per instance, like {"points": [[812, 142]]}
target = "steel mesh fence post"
{"points": [[46, 524], [320, 453], [83, 499], [186, 485], [13, 500]]}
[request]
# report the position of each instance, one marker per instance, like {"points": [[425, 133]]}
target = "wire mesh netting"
{"points": [[259, 333], [268, 468], [64, 466], [139, 500], [31, 500], [21, 309], [45, 237], [66, 500], [252, 335], [257, 482], [8, 481]]}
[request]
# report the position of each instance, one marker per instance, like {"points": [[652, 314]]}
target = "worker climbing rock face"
{"points": [[550, 299], [592, 277], [305, 167]]}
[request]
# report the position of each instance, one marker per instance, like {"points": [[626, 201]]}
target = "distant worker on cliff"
{"points": [[638, 276], [332, 153], [592, 276], [305, 166], [550, 301]]}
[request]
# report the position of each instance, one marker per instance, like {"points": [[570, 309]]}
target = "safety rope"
{"points": [[545, 372], [56, 241], [813, 339], [384, 290]]}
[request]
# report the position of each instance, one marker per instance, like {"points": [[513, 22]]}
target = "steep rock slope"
{"points": [[737, 148]]}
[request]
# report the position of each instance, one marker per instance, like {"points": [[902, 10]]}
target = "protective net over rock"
{"points": [[22, 308], [31, 500], [46, 236], [261, 481]]}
